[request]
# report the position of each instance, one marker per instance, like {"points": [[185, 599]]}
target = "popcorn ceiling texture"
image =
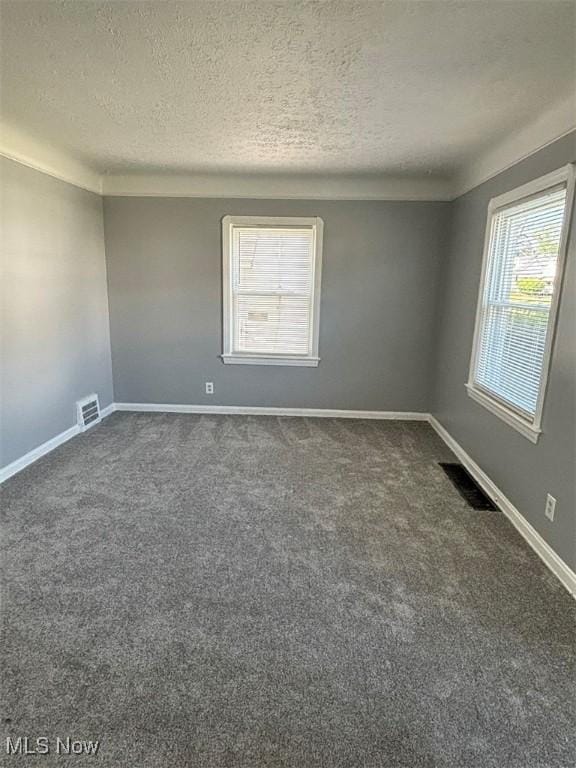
{"points": [[328, 87]]}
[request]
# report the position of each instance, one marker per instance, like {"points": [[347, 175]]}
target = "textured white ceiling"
{"points": [[263, 86]]}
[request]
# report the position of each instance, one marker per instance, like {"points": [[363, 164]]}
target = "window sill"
{"points": [[511, 418], [306, 362]]}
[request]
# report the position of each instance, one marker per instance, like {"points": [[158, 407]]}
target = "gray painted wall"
{"points": [[55, 342], [525, 472], [379, 282], [399, 292]]}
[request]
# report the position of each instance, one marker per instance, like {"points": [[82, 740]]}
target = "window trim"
{"points": [[530, 428], [239, 358]]}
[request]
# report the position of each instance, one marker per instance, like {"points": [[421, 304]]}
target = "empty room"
{"points": [[288, 383]]}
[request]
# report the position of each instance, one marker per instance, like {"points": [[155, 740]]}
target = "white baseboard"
{"points": [[36, 453], [242, 410], [42, 450], [558, 567], [50, 445]]}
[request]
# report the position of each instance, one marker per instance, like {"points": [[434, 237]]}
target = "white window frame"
{"points": [[530, 428], [230, 356]]}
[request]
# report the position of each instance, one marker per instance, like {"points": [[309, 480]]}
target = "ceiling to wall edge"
{"points": [[532, 137], [17, 146]]}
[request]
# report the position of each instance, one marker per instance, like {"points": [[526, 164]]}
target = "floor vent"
{"points": [[88, 411], [467, 487]]}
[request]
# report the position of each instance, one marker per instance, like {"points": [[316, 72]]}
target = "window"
{"points": [[271, 272], [524, 254]]}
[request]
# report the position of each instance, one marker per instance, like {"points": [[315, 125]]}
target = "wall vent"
{"points": [[88, 411]]}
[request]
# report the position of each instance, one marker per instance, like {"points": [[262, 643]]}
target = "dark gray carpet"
{"points": [[257, 591]]}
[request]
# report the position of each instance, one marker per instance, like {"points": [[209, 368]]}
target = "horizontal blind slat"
{"points": [[520, 282], [272, 290]]}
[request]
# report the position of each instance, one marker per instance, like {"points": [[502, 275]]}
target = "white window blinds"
{"points": [[521, 276], [271, 281]]}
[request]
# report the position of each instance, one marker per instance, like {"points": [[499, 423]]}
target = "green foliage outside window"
{"points": [[530, 285]]}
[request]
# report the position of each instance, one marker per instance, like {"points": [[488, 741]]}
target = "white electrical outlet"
{"points": [[209, 387], [550, 507]]}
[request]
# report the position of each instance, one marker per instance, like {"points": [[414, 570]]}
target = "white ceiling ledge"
{"points": [[15, 145], [278, 186], [545, 129]]}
